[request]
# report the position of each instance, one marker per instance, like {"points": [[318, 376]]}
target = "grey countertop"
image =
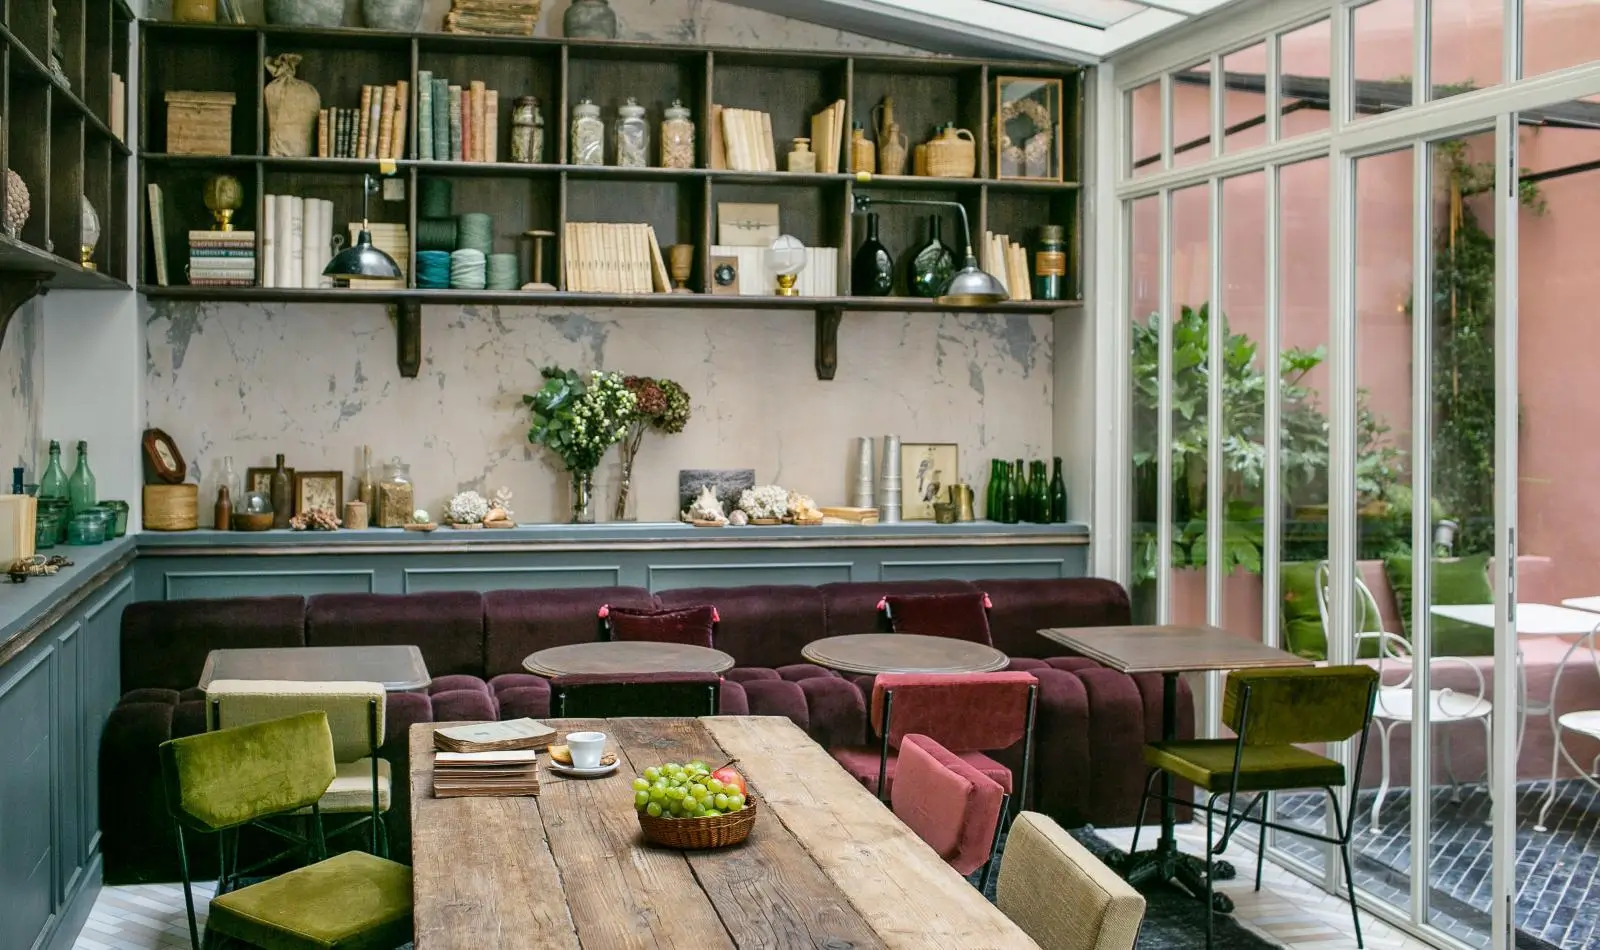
{"points": [[22, 605]]}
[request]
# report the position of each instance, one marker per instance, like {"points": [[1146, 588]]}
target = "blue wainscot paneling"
{"points": [[746, 574], [482, 579], [263, 582]]}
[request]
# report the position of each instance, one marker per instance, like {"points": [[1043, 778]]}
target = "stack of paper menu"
{"points": [[513, 772], [519, 734]]}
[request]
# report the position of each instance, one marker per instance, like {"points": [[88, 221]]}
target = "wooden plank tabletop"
{"points": [[827, 866], [1171, 648]]}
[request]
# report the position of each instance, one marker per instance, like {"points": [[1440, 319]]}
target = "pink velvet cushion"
{"points": [[862, 763], [960, 616], [965, 712], [695, 626], [948, 803]]}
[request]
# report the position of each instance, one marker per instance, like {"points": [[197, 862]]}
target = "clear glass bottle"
{"points": [[396, 495], [588, 134], [230, 478], [527, 131], [633, 135], [677, 137], [80, 488], [54, 482]]}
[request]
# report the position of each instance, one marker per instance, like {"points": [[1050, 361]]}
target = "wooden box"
{"points": [[18, 514], [172, 507], [200, 123]]}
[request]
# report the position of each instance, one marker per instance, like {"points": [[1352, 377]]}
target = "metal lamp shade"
{"points": [[362, 261], [972, 287]]}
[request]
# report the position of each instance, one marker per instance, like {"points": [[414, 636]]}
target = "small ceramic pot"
{"points": [[401, 15], [305, 12], [590, 19]]}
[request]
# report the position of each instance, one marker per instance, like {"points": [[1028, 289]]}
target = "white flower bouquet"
{"points": [[765, 502]]}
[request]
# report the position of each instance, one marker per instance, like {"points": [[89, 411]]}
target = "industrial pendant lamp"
{"points": [[361, 260], [971, 286]]}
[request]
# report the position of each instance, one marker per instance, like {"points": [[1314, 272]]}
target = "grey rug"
{"points": [[1172, 919]]}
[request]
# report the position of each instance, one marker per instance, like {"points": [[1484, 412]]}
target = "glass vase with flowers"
{"points": [[578, 416], [662, 405]]}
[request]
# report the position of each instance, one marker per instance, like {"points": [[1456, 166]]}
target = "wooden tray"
{"points": [[765, 521], [413, 526]]}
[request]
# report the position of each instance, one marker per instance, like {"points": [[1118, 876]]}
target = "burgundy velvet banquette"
{"points": [[1091, 720]]}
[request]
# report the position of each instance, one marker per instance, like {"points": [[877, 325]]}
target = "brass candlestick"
{"points": [[680, 263], [536, 266]]}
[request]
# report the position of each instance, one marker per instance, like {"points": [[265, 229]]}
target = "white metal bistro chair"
{"points": [[1583, 721], [1396, 702]]}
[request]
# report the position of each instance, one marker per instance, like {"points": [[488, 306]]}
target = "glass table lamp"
{"points": [[88, 234], [786, 258]]}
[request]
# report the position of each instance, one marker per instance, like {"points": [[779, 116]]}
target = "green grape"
{"points": [[721, 802], [697, 764], [641, 785], [697, 789], [676, 793], [714, 785], [641, 798], [671, 767], [735, 801], [651, 774], [653, 809], [658, 794]]}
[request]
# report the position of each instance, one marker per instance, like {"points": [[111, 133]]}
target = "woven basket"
{"points": [[172, 507], [200, 123], [954, 154], [690, 834]]}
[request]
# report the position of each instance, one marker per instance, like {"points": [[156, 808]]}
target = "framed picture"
{"points": [[927, 470], [313, 490], [1027, 128], [260, 479]]}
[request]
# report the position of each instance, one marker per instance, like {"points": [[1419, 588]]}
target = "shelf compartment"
{"points": [[518, 205], [902, 228], [184, 210], [672, 208], [653, 75], [922, 102], [29, 22], [28, 154], [346, 193], [211, 59], [537, 74], [1020, 214], [790, 91], [338, 72]]}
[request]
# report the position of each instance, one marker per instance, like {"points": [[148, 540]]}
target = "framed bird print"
{"points": [[927, 470]]}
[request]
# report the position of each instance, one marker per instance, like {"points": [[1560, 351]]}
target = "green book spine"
{"points": [[441, 120], [455, 123], [425, 115]]}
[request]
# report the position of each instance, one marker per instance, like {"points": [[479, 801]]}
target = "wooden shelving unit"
{"points": [[56, 135], [679, 203]]}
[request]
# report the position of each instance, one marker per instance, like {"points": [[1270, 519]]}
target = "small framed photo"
{"points": [[927, 470], [313, 490], [260, 479], [1027, 133]]}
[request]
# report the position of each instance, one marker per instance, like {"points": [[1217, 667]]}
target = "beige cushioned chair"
{"points": [[1060, 894], [355, 711]]}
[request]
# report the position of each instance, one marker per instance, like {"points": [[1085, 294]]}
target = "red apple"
{"points": [[730, 777]]}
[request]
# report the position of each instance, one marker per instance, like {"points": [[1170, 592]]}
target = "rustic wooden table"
{"points": [[627, 656], [826, 866], [1172, 649], [903, 653], [399, 668]]}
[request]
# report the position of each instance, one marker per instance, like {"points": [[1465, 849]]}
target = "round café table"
{"points": [[627, 656], [903, 653]]}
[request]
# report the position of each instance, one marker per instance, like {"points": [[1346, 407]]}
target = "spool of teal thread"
{"points": [[434, 198], [502, 272], [436, 234], [433, 270], [467, 269], [475, 231]]}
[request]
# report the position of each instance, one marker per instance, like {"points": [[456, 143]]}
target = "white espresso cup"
{"points": [[586, 749]]}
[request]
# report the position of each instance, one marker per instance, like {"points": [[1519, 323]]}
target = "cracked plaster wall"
{"points": [[317, 382], [21, 381]]}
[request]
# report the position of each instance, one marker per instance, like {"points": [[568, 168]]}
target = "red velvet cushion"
{"points": [[965, 712], [948, 803], [958, 616], [695, 626]]}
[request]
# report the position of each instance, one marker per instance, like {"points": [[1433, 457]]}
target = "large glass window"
{"points": [[1144, 129], [1464, 43], [1244, 98], [1380, 60], [1144, 300], [1558, 33], [1304, 65]]}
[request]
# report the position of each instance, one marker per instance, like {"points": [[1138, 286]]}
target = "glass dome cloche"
{"points": [[785, 259], [88, 234]]}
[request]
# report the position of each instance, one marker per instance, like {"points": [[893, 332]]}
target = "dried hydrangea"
{"points": [[317, 519], [765, 501], [469, 507]]}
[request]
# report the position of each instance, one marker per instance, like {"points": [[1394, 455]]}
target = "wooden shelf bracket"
{"points": [[407, 317], [16, 289], [828, 319]]}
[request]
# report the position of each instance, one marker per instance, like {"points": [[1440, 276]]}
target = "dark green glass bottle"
{"points": [[1038, 493], [872, 269], [928, 268], [1019, 480], [1010, 500], [992, 498], [53, 484], [1058, 495]]}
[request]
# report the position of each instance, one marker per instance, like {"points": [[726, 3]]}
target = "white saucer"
{"points": [[575, 772]]}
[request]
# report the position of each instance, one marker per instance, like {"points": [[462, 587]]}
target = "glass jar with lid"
{"points": [[677, 137], [588, 134], [395, 495], [527, 131], [633, 135]]}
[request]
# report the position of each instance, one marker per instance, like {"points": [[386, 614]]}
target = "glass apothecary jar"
{"points": [[677, 137], [47, 528], [527, 132], [633, 135], [395, 495], [87, 527], [588, 136]]}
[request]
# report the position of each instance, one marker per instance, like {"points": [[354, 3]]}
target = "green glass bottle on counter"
{"points": [[54, 482], [1058, 495], [1010, 501], [1019, 477], [992, 499], [1038, 493], [80, 488]]}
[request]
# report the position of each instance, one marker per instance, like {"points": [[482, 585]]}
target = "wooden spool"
{"points": [[172, 507]]}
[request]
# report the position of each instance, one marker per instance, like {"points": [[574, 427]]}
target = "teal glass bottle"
{"points": [[1009, 499], [1058, 495], [53, 484], [80, 488], [928, 268]]}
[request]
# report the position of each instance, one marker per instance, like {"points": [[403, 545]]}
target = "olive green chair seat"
{"points": [[1208, 763], [353, 901]]}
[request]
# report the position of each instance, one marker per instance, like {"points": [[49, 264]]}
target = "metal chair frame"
{"points": [[1232, 820], [1559, 752]]}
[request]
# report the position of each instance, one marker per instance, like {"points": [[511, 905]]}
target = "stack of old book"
{"points": [[494, 17], [377, 129], [613, 258], [222, 258], [489, 759]]}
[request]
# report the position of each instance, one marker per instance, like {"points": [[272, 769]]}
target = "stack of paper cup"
{"points": [[861, 497], [889, 486]]}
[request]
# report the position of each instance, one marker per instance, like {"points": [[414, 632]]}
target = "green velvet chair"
{"points": [[1273, 713], [218, 782]]}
